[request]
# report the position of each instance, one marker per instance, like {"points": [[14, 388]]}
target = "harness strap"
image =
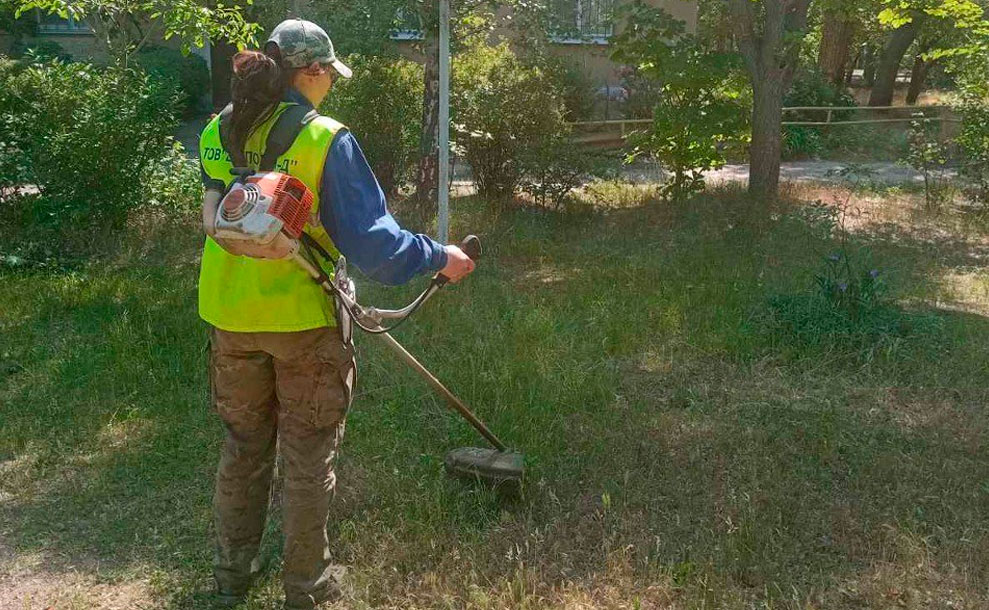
{"points": [[286, 129], [283, 133]]}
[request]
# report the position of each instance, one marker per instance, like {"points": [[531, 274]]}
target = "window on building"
{"points": [[408, 26], [583, 21], [53, 24]]}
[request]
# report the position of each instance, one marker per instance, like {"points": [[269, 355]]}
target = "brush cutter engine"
{"points": [[268, 209]]}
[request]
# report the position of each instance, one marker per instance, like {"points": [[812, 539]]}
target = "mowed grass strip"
{"points": [[686, 447]]}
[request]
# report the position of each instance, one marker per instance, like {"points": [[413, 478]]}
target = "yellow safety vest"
{"points": [[243, 294]]}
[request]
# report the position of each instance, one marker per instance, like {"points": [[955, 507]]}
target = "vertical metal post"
{"points": [[444, 161]]}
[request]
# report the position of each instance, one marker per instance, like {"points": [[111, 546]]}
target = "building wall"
{"points": [[82, 47], [593, 59]]}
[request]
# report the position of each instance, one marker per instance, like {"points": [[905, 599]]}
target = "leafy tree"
{"points": [[10, 23], [936, 22], [769, 35], [364, 26], [698, 108], [506, 110], [390, 133], [124, 27], [841, 23]]}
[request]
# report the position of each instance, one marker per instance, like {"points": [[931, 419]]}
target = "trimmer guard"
{"points": [[487, 465]]}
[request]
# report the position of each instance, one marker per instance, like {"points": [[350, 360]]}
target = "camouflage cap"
{"points": [[303, 42]]}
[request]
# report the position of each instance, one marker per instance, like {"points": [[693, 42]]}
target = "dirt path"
{"points": [[877, 172]]}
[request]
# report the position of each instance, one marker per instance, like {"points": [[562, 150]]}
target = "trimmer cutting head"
{"points": [[497, 468]]}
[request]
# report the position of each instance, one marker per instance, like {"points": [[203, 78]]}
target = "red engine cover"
{"points": [[292, 199]]}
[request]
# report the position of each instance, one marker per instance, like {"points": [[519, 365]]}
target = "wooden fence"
{"points": [[613, 132]]}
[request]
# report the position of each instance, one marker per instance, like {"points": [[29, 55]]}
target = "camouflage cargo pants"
{"points": [[295, 387]]}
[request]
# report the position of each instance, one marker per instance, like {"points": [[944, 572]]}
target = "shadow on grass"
{"points": [[674, 452]]}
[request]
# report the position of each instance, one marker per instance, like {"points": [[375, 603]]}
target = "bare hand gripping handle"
{"points": [[471, 247]]}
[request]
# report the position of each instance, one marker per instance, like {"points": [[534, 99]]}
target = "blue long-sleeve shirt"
{"points": [[354, 212]]}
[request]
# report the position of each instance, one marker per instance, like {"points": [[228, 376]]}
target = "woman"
{"points": [[279, 368]]}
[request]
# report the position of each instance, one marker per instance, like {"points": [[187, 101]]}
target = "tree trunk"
{"points": [[917, 76], [889, 63], [869, 66], [428, 175], [836, 40], [767, 136], [771, 55]]}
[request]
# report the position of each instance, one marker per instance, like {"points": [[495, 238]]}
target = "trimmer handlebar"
{"points": [[471, 246]]}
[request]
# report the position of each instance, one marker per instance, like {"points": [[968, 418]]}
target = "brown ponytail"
{"points": [[257, 86]]}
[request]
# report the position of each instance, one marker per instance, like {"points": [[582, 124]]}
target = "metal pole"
{"points": [[444, 161]]}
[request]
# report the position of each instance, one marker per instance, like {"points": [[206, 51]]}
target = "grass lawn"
{"points": [[699, 433]]}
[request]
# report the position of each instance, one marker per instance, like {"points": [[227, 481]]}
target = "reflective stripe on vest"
{"points": [[242, 294]]}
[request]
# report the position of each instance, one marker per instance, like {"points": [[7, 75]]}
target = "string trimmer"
{"points": [[268, 211]]}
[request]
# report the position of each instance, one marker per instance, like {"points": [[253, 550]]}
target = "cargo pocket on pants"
{"points": [[333, 386]]}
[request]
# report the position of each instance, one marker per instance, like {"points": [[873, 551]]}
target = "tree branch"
{"points": [[744, 26]]}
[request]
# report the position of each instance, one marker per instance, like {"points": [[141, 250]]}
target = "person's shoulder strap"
{"points": [[286, 129], [236, 155]]}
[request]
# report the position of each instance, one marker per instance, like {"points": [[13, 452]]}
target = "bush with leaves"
{"points": [[929, 156], [503, 109], [39, 50], [554, 167], [187, 74], [973, 144], [85, 137], [643, 93], [174, 184], [701, 97], [382, 106], [13, 168], [576, 89], [811, 89]]}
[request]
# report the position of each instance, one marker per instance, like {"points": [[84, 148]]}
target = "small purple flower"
{"points": [[874, 273], [834, 257], [843, 287]]}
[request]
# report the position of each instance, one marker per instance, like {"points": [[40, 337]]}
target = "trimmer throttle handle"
{"points": [[471, 246]]}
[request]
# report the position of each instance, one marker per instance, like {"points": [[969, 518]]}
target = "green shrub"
{"points": [[643, 93], [13, 166], [699, 107], [174, 184], [382, 106], [554, 167], [973, 144], [188, 74], [576, 89], [802, 141], [85, 137], [39, 50], [929, 156], [503, 108], [811, 88]]}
